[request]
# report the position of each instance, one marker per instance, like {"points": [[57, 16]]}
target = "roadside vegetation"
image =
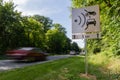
{"points": [[108, 65], [65, 69], [17, 30], [109, 24], [106, 50]]}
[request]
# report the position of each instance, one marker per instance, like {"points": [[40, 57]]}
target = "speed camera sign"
{"points": [[85, 19]]}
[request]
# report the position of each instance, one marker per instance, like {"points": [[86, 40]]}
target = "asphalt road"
{"points": [[12, 64]]}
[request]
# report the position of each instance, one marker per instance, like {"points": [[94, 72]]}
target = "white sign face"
{"points": [[86, 36], [85, 19]]}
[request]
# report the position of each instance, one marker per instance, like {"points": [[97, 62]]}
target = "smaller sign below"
{"points": [[86, 36]]}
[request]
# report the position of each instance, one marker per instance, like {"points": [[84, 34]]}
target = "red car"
{"points": [[27, 54]]}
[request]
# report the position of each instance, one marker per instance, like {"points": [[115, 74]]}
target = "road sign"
{"points": [[86, 36], [85, 19]]}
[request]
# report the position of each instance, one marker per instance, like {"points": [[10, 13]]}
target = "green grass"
{"points": [[64, 69]]}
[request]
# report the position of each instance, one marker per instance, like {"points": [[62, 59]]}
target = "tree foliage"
{"points": [[75, 47], [9, 25], [17, 30], [56, 39], [47, 22]]}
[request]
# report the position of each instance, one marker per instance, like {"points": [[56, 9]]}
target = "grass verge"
{"points": [[64, 69], [109, 65]]}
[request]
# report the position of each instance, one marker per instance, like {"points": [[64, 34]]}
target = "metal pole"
{"points": [[86, 57]]}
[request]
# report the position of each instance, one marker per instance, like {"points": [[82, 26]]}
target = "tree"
{"points": [[75, 47], [33, 31], [9, 25], [67, 46], [47, 22], [56, 39], [59, 27], [17, 30], [26, 31]]}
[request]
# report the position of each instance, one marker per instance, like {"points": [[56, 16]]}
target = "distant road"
{"points": [[11, 64]]}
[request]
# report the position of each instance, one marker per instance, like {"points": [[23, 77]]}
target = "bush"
{"points": [[118, 52], [96, 50]]}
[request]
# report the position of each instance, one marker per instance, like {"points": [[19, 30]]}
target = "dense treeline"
{"points": [[30, 31], [110, 25]]}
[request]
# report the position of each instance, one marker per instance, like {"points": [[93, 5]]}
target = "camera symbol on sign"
{"points": [[82, 19]]}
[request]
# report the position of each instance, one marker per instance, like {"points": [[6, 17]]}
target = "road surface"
{"points": [[11, 64]]}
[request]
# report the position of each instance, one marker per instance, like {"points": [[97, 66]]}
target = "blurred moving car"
{"points": [[27, 54]]}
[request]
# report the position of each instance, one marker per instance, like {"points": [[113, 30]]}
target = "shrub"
{"points": [[96, 50]]}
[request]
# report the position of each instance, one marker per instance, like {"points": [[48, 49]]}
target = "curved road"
{"points": [[11, 64]]}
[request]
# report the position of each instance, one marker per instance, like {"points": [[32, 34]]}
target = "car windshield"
{"points": [[25, 49]]}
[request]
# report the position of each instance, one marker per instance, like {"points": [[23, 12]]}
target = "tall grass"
{"points": [[110, 65]]}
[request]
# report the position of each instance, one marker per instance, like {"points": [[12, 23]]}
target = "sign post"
{"points": [[86, 57], [86, 25]]}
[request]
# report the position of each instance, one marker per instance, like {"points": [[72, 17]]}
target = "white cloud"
{"points": [[25, 6], [43, 11], [18, 2]]}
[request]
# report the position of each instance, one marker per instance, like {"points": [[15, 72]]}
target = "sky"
{"points": [[57, 10]]}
